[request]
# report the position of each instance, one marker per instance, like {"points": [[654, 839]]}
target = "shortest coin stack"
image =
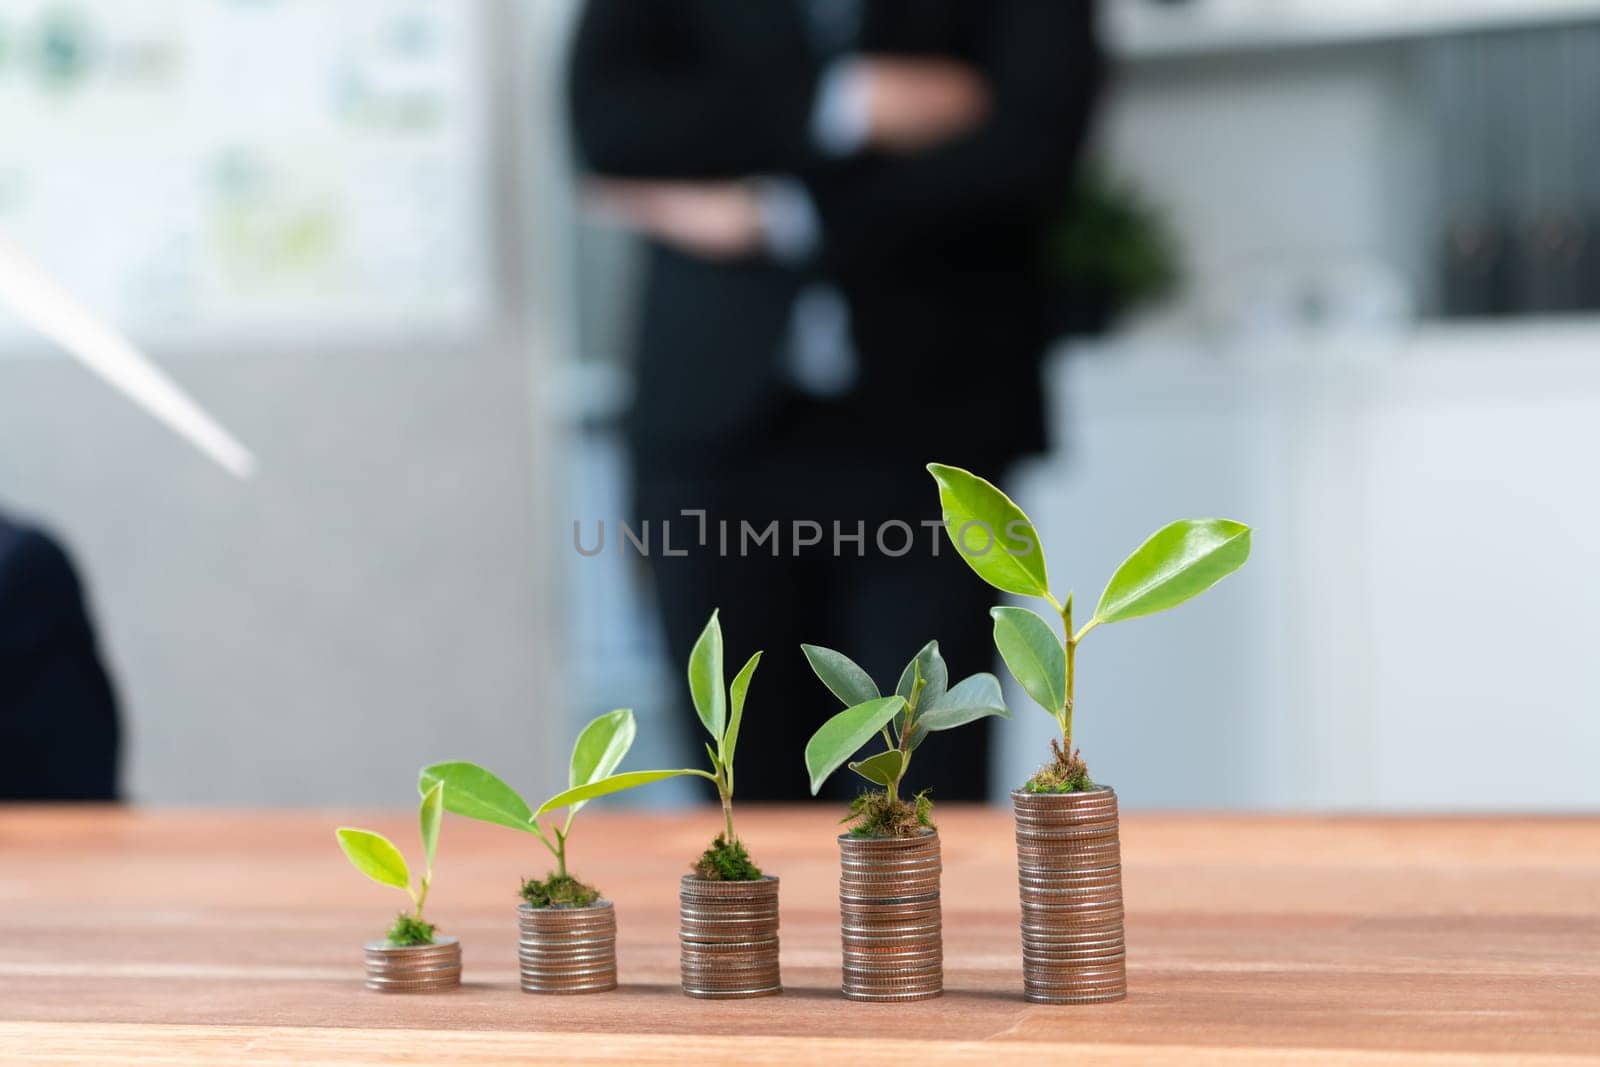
{"points": [[728, 938], [567, 950], [891, 926], [1069, 869], [413, 968]]}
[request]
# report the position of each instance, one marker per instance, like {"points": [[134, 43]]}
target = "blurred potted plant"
{"points": [[889, 860], [1108, 252], [1068, 844], [411, 958]]}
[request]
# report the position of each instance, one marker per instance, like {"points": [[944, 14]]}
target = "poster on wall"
{"points": [[239, 170]]}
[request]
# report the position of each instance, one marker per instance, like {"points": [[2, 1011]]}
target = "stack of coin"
{"points": [[728, 938], [413, 968], [890, 921], [568, 950], [1069, 868]]}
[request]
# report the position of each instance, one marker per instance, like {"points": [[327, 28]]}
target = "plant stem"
{"points": [[1071, 645], [422, 897], [561, 854], [1066, 716], [727, 810], [905, 734]]}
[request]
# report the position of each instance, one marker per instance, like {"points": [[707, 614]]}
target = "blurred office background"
{"points": [[1344, 285]]}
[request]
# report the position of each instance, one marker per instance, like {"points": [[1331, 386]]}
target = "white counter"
{"points": [[1144, 29], [1419, 622]]}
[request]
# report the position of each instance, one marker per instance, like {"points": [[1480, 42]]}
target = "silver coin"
{"points": [[734, 994], [1107, 997], [1069, 941], [889, 910], [713, 919], [893, 996]]}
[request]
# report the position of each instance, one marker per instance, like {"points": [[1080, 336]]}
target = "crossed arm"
{"points": [[679, 146]]}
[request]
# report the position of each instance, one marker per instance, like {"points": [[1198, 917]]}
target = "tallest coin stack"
{"points": [[1069, 872]]}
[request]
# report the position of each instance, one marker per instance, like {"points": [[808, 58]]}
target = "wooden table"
{"points": [[135, 937]]}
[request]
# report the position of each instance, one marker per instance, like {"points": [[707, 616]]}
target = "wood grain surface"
{"points": [[136, 937]]}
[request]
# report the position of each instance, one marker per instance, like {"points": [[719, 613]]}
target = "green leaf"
{"points": [[600, 747], [885, 768], [736, 694], [841, 736], [990, 532], [428, 816], [375, 856], [1179, 561], [614, 784], [1034, 654], [935, 675], [705, 679], [477, 794], [839, 673], [970, 699]]}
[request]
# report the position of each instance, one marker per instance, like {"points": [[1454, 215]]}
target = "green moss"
{"points": [[410, 930], [558, 891], [1065, 773], [726, 862], [873, 814]]}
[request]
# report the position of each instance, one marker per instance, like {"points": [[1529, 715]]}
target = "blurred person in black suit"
{"points": [[844, 201], [58, 713]]}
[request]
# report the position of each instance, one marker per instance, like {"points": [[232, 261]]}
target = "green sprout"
{"points": [[923, 701], [1177, 562], [376, 857], [721, 709], [479, 794], [721, 712]]}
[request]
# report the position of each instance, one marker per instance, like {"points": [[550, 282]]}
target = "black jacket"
{"points": [[937, 254], [58, 715]]}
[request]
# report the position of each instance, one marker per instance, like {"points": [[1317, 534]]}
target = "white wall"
{"points": [[313, 636], [380, 595], [1267, 162]]}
